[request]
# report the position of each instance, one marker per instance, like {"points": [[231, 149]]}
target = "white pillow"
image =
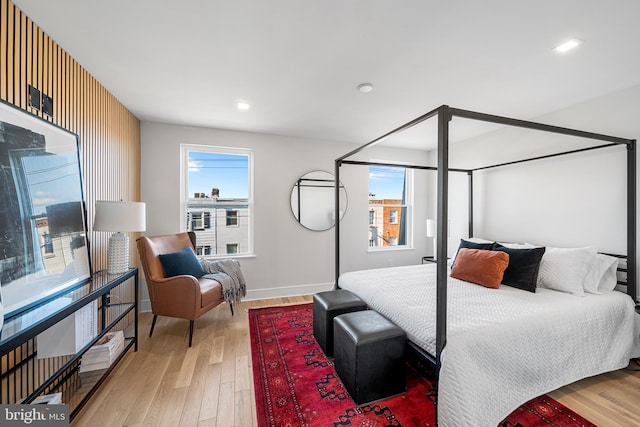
{"points": [[565, 269], [601, 277], [477, 240], [517, 245]]}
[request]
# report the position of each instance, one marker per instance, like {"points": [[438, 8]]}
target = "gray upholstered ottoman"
{"points": [[326, 306], [369, 355]]}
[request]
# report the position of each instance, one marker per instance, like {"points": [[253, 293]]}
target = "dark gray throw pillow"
{"points": [[472, 245], [524, 264], [182, 262]]}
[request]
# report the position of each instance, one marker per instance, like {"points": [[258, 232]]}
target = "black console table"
{"points": [[25, 376]]}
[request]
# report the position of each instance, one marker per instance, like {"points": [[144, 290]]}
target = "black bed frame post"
{"points": [[338, 163], [444, 116], [470, 186], [631, 221]]}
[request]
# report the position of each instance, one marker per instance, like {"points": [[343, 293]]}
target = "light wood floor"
{"points": [[166, 383]]}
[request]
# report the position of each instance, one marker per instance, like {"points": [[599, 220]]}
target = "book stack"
{"points": [[103, 353], [49, 399], [88, 379], [46, 399]]}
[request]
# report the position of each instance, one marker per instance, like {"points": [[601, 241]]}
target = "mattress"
{"points": [[504, 346]]}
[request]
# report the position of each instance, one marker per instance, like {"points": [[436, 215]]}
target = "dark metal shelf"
{"points": [[18, 340], [20, 328]]}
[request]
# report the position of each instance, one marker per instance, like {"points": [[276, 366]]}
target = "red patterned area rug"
{"points": [[296, 385]]}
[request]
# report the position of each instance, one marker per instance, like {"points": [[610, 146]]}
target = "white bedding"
{"points": [[504, 346]]}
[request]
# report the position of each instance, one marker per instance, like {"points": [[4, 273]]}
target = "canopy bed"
{"points": [[494, 349]]}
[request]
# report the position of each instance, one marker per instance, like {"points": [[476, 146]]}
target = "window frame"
{"points": [[185, 199], [197, 221], [409, 211], [233, 217], [393, 216]]}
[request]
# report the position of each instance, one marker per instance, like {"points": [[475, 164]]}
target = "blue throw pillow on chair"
{"points": [[182, 262]]}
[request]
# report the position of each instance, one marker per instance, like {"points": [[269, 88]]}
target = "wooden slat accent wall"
{"points": [[109, 133], [110, 151]]}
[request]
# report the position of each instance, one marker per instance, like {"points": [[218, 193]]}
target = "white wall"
{"points": [[568, 201], [289, 259]]}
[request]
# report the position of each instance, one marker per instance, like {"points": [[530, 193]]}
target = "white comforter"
{"points": [[504, 346]]}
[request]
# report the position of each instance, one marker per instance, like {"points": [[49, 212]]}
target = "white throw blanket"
{"points": [[229, 274]]}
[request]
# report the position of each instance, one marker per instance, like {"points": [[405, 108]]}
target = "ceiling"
{"points": [[298, 62]]}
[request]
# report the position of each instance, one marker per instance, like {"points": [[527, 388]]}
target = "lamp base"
{"points": [[435, 248], [118, 254]]}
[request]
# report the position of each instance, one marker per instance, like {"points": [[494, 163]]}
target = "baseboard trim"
{"points": [[268, 293], [287, 291]]}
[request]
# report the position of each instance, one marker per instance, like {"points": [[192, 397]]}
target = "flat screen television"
{"points": [[44, 249]]}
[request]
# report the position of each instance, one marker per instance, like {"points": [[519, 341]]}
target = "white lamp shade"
{"points": [[119, 216], [431, 228]]}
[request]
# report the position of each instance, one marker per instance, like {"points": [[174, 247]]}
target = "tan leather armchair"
{"points": [[183, 296]]}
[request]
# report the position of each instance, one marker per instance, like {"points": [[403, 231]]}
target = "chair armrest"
{"points": [[176, 296], [181, 280]]}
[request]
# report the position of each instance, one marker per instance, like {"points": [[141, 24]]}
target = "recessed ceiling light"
{"points": [[243, 106], [365, 87], [567, 46]]}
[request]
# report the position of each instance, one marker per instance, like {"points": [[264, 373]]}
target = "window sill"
{"points": [[223, 256], [390, 248]]}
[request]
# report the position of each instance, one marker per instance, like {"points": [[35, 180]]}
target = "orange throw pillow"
{"points": [[480, 266]]}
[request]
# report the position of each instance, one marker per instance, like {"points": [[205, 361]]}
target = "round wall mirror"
{"points": [[313, 200]]}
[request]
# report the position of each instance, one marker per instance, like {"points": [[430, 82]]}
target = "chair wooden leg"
{"points": [[153, 324], [190, 331], [231, 306]]}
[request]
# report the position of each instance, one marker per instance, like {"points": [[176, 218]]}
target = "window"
{"points": [[393, 216], [48, 243], [198, 221], [203, 250], [217, 200], [389, 206], [232, 218]]}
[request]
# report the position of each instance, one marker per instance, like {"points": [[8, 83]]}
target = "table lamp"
{"points": [[432, 231], [119, 217]]}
